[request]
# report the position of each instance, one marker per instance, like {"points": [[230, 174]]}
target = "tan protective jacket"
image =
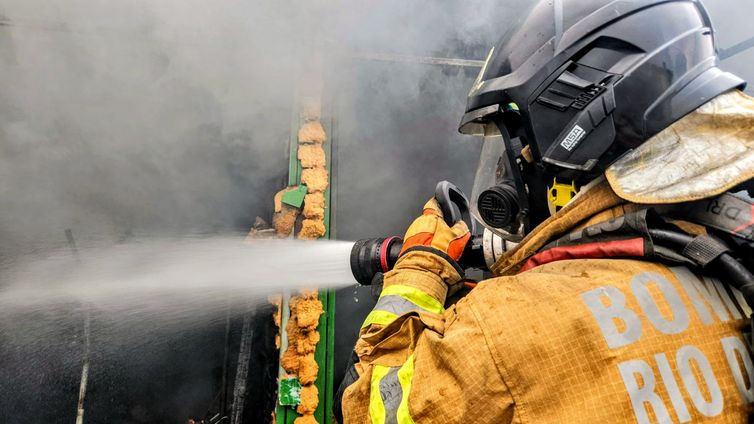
{"points": [[573, 341]]}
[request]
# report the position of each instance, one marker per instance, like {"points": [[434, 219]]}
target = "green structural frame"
{"points": [[324, 354]]}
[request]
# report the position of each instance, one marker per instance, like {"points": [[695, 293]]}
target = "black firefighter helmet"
{"points": [[576, 85]]}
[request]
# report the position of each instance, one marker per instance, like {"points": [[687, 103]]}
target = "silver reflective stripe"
{"points": [[391, 393], [397, 305]]}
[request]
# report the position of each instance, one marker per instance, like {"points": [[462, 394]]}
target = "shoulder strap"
{"points": [[728, 213]]}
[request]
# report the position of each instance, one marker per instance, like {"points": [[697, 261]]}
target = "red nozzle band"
{"points": [[383, 252]]}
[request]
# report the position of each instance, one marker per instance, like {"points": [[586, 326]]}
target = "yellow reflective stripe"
{"points": [[376, 407], [416, 296], [405, 375], [411, 294], [379, 317]]}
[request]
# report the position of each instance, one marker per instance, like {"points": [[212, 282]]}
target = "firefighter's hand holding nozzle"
{"points": [[430, 253], [442, 231], [427, 260], [430, 231]]}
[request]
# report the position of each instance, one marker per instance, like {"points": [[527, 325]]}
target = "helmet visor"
{"points": [[490, 200]]}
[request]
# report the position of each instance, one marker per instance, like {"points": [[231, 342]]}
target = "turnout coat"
{"points": [[582, 326]]}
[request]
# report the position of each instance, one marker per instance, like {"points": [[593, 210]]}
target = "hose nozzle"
{"points": [[375, 255], [370, 256]]}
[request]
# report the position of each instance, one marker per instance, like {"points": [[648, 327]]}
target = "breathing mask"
{"points": [[498, 197]]}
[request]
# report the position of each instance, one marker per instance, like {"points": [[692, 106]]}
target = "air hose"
{"points": [[708, 252]]}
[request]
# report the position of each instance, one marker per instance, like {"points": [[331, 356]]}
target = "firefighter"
{"points": [[614, 154]]}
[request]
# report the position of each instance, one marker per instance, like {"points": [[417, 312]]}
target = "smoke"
{"points": [[730, 19], [145, 117], [138, 116]]}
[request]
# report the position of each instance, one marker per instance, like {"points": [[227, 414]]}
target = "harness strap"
{"points": [[704, 249], [727, 212]]}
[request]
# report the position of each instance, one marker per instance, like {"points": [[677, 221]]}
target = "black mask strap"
{"points": [[513, 177]]}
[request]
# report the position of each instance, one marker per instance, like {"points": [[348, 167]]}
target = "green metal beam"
{"points": [[326, 327], [294, 166], [325, 348], [332, 163], [287, 414]]}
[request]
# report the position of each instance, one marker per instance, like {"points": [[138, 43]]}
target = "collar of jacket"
{"points": [[593, 205]]}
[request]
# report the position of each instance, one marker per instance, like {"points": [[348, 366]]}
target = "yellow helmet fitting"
{"points": [[560, 194]]}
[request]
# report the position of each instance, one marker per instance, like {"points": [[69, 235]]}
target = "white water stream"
{"points": [[173, 278]]}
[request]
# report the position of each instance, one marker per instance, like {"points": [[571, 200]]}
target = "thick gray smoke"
{"points": [[121, 117], [733, 26], [144, 117]]}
